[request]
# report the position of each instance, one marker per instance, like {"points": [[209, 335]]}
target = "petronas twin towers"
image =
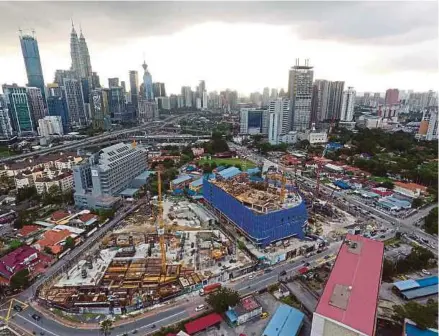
{"points": [[81, 64]]}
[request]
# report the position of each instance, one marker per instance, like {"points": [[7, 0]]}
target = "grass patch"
{"points": [[380, 179], [292, 301], [228, 161], [391, 241]]}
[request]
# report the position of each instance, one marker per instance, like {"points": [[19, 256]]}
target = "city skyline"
{"points": [[400, 54]]}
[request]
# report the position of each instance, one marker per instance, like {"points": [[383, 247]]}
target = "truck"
{"points": [[210, 289]]}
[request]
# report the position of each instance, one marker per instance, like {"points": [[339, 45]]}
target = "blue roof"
{"points": [[256, 179], [342, 184], [145, 175], [181, 179], [424, 282], [412, 330], [197, 183], [231, 315], [420, 292], [253, 171], [398, 202], [130, 192], [286, 321], [406, 284], [229, 172], [218, 169]]}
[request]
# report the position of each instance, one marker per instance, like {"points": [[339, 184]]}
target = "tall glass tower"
{"points": [[32, 61]]}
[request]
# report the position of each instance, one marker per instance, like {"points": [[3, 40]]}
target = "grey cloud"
{"points": [[397, 23]]}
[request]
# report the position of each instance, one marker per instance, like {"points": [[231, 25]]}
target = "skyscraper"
{"points": [[20, 110], [335, 100], [75, 102], [116, 103], [80, 56], [187, 95], [320, 100], [6, 130], [95, 81], [32, 61], [147, 82], [274, 94], [134, 88], [113, 82], [265, 96], [200, 90], [392, 97], [159, 90], [347, 109], [300, 92], [36, 103], [57, 105], [279, 119], [100, 112]]}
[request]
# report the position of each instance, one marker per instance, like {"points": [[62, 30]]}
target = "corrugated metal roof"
{"points": [[197, 183], [413, 330], [406, 284], [286, 321], [181, 179], [229, 172], [253, 171], [202, 323], [423, 282], [420, 292]]}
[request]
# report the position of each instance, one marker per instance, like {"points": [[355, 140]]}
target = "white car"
{"points": [[426, 272], [199, 308], [251, 276]]}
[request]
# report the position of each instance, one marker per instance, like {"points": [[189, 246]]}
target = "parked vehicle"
{"points": [[210, 289]]}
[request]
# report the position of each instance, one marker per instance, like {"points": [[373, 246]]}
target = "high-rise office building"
{"points": [[279, 119], [392, 97], [274, 94], [50, 125], [147, 82], [253, 121], [116, 103], [366, 99], [320, 100], [159, 90], [99, 180], [32, 61], [200, 90], [81, 65], [95, 81], [61, 74], [75, 102], [19, 108], [265, 96], [6, 130], [57, 105], [134, 89], [300, 87], [100, 112], [347, 109], [113, 82], [335, 100], [123, 85], [186, 92], [36, 102]]}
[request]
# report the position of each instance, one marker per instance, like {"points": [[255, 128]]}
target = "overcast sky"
{"points": [[246, 46]]}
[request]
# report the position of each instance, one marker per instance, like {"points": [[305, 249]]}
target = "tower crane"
{"points": [[161, 224]]}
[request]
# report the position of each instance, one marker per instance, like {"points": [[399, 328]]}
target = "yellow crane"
{"points": [[282, 188], [161, 224]]}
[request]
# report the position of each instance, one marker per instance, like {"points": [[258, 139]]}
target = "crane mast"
{"points": [[161, 224]]}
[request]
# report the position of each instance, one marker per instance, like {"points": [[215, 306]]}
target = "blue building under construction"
{"points": [[261, 214]]}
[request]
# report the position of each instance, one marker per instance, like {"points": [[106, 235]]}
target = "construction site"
{"points": [[135, 266]]}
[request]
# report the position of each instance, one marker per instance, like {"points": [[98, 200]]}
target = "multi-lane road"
{"points": [[162, 317]]}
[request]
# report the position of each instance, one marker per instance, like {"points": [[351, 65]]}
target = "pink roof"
{"points": [[361, 271]]}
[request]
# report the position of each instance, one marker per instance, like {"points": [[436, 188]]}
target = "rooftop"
{"points": [[410, 186], [181, 179], [202, 323], [28, 229], [351, 292], [15, 260], [286, 321]]}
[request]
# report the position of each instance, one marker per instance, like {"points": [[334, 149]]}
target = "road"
{"points": [[403, 224], [97, 138], [183, 311]]}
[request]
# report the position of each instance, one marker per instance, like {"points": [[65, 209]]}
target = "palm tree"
{"points": [[106, 327]]}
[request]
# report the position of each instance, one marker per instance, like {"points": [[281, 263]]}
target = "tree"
{"points": [[222, 299], [431, 222], [168, 163], [47, 250], [14, 244], [417, 203], [26, 193], [425, 316], [387, 185], [70, 243], [20, 279], [106, 327]]}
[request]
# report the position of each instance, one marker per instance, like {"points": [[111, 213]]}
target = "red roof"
{"points": [[410, 186], [28, 229], [15, 260], [58, 215], [86, 217], [202, 323], [359, 273]]}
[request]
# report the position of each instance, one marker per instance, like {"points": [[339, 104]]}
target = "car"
{"points": [[283, 272], [306, 264], [135, 331], [264, 315], [199, 308], [382, 236], [327, 257], [424, 271], [36, 317], [251, 276], [18, 308]]}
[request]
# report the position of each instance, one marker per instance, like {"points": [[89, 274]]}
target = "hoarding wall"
{"points": [[262, 229]]}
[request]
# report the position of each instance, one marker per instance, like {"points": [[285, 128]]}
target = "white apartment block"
{"points": [[313, 137], [50, 125], [63, 181], [347, 106], [279, 119]]}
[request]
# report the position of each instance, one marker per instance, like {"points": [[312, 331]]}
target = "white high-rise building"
{"points": [[347, 106], [279, 119], [75, 102], [6, 130], [204, 100], [432, 133], [300, 88], [266, 96], [253, 121], [50, 125]]}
